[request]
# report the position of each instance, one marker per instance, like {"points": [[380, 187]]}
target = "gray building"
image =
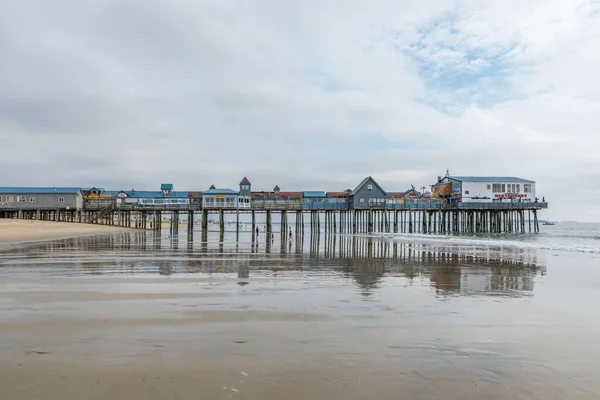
{"points": [[40, 198], [368, 194], [245, 194]]}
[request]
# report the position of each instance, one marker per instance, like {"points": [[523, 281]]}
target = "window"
{"points": [[369, 187], [61, 199], [509, 188], [518, 188], [32, 199], [503, 188], [527, 187], [10, 199], [361, 200], [497, 188], [467, 192], [21, 199], [489, 187]]}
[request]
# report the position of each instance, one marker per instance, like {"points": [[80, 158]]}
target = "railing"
{"points": [[225, 206], [504, 205], [279, 205], [103, 212], [324, 206]]}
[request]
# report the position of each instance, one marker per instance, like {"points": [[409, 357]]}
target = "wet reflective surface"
{"points": [[331, 316]]}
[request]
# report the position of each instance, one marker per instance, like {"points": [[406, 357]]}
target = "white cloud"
{"points": [[195, 92]]}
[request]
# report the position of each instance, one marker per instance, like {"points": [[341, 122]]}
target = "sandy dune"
{"points": [[15, 230]]}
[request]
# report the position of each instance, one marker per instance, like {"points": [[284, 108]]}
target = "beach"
{"points": [[19, 230], [141, 315]]}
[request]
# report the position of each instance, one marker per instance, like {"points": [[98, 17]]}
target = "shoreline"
{"points": [[19, 231]]}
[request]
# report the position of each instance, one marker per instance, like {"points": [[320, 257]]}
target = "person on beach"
{"points": [[257, 231], [291, 238]]}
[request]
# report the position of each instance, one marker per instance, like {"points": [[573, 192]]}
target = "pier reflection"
{"points": [[367, 261]]}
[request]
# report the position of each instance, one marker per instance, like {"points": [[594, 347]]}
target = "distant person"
{"points": [[290, 235], [543, 199], [257, 231]]}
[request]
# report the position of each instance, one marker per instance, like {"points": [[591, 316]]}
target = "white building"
{"points": [[487, 188]]}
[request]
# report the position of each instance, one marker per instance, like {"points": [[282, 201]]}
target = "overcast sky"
{"points": [[306, 95]]}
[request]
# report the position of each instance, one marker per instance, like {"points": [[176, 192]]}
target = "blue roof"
{"points": [[314, 194], [219, 191], [39, 190], [166, 186], [147, 193], [485, 179]]}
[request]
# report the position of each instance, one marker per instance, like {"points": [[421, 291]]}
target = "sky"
{"points": [[307, 95]]}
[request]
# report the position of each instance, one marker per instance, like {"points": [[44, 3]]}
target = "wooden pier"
{"points": [[419, 218]]}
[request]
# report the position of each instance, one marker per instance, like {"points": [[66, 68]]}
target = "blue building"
{"points": [[220, 198], [313, 199]]}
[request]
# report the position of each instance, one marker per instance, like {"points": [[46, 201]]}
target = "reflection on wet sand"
{"points": [[213, 316], [366, 260]]}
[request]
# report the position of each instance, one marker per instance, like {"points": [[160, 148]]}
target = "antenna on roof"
{"points": [[447, 171]]}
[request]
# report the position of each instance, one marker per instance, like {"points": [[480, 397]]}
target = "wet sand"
{"points": [[17, 230], [141, 317]]}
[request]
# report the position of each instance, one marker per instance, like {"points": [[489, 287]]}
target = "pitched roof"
{"points": [[409, 191], [245, 181], [363, 183], [276, 188], [40, 190], [212, 187], [485, 179]]}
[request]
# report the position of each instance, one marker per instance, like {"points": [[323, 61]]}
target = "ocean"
{"points": [[219, 316]]}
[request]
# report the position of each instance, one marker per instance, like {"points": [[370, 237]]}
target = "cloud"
{"points": [[307, 96]]}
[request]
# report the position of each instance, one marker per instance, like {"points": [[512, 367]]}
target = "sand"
{"points": [[143, 316], [17, 230]]}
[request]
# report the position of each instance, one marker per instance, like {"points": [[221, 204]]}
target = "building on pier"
{"points": [[92, 193], [245, 194], [313, 199], [485, 189], [40, 198], [400, 198], [337, 200], [368, 194], [146, 198], [220, 198]]}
